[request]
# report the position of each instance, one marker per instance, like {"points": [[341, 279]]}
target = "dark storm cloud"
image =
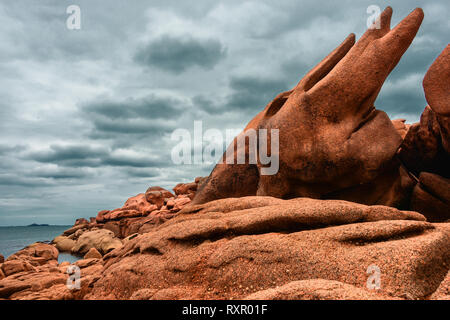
{"points": [[106, 128], [147, 115], [253, 93], [93, 157], [293, 70], [178, 54], [248, 93], [59, 173], [150, 107], [401, 103], [6, 150], [129, 161], [60, 154], [206, 104], [16, 180]]}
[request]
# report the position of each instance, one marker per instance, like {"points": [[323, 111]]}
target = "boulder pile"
{"points": [[334, 143]]}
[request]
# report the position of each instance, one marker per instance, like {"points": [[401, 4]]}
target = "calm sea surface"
{"points": [[12, 239]]}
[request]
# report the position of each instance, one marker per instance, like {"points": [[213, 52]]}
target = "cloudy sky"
{"points": [[86, 115]]}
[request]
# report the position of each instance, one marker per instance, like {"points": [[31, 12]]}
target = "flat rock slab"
{"points": [[232, 254]]}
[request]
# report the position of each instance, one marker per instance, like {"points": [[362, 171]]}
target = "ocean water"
{"points": [[12, 239]]}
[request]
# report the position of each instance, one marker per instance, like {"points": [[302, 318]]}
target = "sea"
{"points": [[13, 239]]}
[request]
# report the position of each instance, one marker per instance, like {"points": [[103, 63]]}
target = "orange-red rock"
{"points": [[36, 254], [81, 221], [427, 145], [136, 206], [156, 196], [217, 253], [316, 289]]}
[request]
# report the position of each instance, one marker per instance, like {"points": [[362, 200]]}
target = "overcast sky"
{"points": [[86, 115]]}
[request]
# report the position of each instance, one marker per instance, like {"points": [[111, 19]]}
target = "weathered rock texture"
{"points": [[102, 240], [145, 211], [315, 289], [443, 292], [232, 248], [334, 144]]}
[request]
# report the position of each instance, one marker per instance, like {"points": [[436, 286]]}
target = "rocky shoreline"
{"points": [[360, 207]]}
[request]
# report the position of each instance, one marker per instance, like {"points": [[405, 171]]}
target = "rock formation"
{"points": [[425, 151], [235, 247], [338, 207], [334, 144]]}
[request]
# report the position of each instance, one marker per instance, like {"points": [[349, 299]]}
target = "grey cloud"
{"points": [[98, 38], [103, 150], [293, 70], [178, 54], [253, 93]]}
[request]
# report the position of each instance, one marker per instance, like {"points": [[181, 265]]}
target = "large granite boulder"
{"points": [[103, 240], [232, 248], [36, 254], [333, 143], [425, 150]]}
